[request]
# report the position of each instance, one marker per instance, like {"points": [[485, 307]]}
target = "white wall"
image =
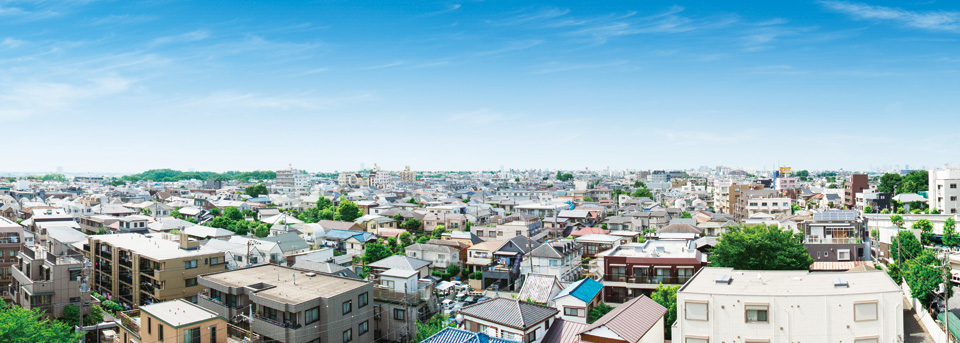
{"points": [[571, 301], [656, 334]]}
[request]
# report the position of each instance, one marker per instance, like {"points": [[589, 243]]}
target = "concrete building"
{"points": [[636, 269], [172, 321], [857, 184], [11, 240], [290, 181], [408, 175], [50, 275], [726, 305], [292, 305], [134, 269], [561, 259], [943, 190], [837, 236], [734, 192]]}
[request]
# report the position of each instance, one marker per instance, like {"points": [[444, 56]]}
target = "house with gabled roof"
{"points": [[509, 319], [576, 301], [454, 335], [639, 320]]}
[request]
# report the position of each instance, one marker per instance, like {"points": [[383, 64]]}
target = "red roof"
{"points": [[589, 231]]}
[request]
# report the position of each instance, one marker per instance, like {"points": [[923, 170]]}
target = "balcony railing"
{"points": [[28, 253], [127, 320], [832, 241], [277, 322], [240, 334], [667, 280]]}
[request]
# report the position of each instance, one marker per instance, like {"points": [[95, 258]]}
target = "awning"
{"points": [[685, 267], [641, 266], [617, 265]]}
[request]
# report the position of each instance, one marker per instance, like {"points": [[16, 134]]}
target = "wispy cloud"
{"points": [[512, 46], [21, 101], [383, 66], [449, 9], [528, 17], [556, 67], [225, 102], [123, 19], [928, 20], [11, 42], [192, 36]]}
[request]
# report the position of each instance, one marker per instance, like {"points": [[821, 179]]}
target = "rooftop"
{"points": [[154, 248], [179, 313], [787, 282], [287, 288]]}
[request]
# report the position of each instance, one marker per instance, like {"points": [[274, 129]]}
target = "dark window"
{"points": [[363, 300], [347, 335], [213, 334], [364, 327], [399, 314], [190, 282], [159, 332], [149, 325], [347, 307]]}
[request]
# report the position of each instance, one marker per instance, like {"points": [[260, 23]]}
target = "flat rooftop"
{"points": [[670, 248], [154, 248], [788, 282], [178, 312], [284, 289]]}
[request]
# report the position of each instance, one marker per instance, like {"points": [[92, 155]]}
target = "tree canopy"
{"points": [[598, 312], [666, 296], [256, 190], [911, 246], [374, 252], [761, 247], [924, 276], [913, 182], [897, 220], [171, 175], [642, 192], [433, 325], [348, 211], [19, 325], [950, 238], [926, 230]]}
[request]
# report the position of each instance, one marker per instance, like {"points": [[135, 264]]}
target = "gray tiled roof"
{"points": [[401, 262], [510, 312], [632, 319]]}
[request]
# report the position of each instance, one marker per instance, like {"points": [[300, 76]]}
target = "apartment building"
{"points": [[171, 321], [561, 259], [292, 305], [837, 236], [943, 189], [735, 191], [441, 256], [857, 184], [51, 275], [635, 269], [513, 226], [766, 201], [727, 305], [135, 269], [407, 175], [11, 241]]}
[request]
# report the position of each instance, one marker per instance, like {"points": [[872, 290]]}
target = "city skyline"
{"points": [[95, 86]]}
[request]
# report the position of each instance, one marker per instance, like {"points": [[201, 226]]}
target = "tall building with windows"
{"points": [[293, 305], [408, 175], [727, 305], [944, 190], [11, 240], [134, 269]]}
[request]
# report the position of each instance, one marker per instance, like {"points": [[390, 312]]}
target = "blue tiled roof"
{"points": [[584, 290], [454, 335]]}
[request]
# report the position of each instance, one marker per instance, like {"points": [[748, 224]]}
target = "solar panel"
{"points": [[836, 215]]}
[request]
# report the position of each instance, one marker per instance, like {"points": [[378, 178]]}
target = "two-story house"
{"points": [[636, 269], [442, 256], [559, 258], [509, 319]]}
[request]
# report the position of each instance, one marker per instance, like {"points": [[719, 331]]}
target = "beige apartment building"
{"points": [[171, 321], [134, 269], [293, 305], [50, 275], [11, 239]]}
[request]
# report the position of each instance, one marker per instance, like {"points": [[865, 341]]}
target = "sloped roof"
{"points": [[585, 290], [323, 267], [510, 312], [538, 288], [400, 262], [454, 335], [206, 231], [632, 319], [680, 228], [288, 241], [589, 231], [562, 331]]}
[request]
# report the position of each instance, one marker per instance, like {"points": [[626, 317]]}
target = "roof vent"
{"points": [[311, 274], [724, 279], [840, 282]]}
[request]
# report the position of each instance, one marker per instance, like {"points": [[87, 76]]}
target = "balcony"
{"points": [[832, 241], [283, 331], [648, 280], [32, 286], [131, 320]]}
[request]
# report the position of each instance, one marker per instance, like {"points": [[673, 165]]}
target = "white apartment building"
{"points": [[784, 183], [944, 190], [291, 180], [772, 206], [727, 305]]}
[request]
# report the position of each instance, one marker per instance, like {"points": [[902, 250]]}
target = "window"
{"points": [[213, 334], [696, 340], [530, 337], [519, 233], [190, 282], [953, 185], [149, 325], [843, 255], [347, 306], [214, 260], [573, 311], [867, 340], [189, 264], [238, 258], [160, 332], [756, 314], [363, 328], [493, 234], [312, 315], [191, 335], [347, 335], [953, 198], [363, 300], [399, 314], [695, 310], [865, 311]]}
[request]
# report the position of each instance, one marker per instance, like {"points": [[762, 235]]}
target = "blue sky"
{"points": [[126, 86]]}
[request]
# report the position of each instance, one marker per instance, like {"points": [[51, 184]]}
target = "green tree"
{"points": [[412, 225], [588, 199], [926, 230], [406, 239], [375, 252], [261, 230], [71, 315], [950, 237], [685, 214], [176, 214], [324, 203], [433, 325], [95, 316], [19, 325], [666, 296], [897, 220], [438, 232], [215, 212], [906, 242], [761, 247], [868, 209], [233, 213], [598, 312], [348, 211], [642, 192], [924, 276], [256, 191], [453, 270], [888, 182], [639, 184]]}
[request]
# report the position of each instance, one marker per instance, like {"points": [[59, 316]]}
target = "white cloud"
{"points": [[18, 101], [556, 67], [192, 36], [512, 46], [10, 42], [927, 20]]}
